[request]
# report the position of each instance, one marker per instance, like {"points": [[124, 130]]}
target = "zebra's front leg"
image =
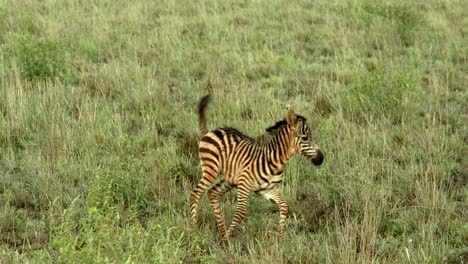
{"points": [[273, 196], [243, 192]]}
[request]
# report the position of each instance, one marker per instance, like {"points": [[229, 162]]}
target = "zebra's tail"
{"points": [[201, 114]]}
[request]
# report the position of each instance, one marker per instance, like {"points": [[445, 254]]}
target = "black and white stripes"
{"points": [[250, 165]]}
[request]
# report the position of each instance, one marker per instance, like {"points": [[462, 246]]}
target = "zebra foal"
{"points": [[250, 165]]}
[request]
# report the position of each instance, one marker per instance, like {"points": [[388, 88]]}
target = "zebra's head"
{"points": [[302, 143]]}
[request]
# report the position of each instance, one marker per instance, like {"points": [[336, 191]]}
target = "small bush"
{"points": [[100, 236], [407, 19], [90, 50], [121, 187], [117, 191], [379, 94], [40, 58]]}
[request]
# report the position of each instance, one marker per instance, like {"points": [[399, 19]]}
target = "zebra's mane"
{"points": [[280, 124], [276, 126], [273, 130]]}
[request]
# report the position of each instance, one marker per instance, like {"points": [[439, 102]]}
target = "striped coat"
{"points": [[250, 165]]}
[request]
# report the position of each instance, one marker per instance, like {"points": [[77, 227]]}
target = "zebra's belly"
{"points": [[261, 184]]}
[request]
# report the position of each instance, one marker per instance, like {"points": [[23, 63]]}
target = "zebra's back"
{"points": [[225, 151]]}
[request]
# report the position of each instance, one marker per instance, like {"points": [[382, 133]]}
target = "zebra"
{"points": [[249, 164]]}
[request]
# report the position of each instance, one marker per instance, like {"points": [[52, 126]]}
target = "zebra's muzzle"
{"points": [[319, 157]]}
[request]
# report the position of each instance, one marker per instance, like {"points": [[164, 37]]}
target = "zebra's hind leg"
{"points": [[243, 192], [215, 194], [273, 196], [205, 182]]}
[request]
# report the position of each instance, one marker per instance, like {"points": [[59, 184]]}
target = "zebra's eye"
{"points": [[304, 137]]}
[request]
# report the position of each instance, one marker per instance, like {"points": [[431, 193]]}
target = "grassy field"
{"points": [[98, 128]]}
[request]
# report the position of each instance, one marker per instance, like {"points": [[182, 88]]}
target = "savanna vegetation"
{"points": [[98, 128]]}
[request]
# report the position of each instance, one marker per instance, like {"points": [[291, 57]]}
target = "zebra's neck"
{"points": [[278, 148]]}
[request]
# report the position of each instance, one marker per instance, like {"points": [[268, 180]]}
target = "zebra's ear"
{"points": [[290, 116]]}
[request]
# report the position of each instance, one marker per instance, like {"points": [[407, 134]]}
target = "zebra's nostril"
{"points": [[318, 159]]}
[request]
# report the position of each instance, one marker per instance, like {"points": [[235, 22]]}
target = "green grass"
{"points": [[98, 128]]}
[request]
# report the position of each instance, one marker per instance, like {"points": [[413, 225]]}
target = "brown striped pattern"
{"points": [[250, 165]]}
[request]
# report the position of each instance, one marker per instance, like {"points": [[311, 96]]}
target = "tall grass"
{"points": [[98, 128]]}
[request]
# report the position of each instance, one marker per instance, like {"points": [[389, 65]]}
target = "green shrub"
{"points": [[100, 236], [379, 94], [41, 58], [406, 18], [90, 50], [117, 191]]}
